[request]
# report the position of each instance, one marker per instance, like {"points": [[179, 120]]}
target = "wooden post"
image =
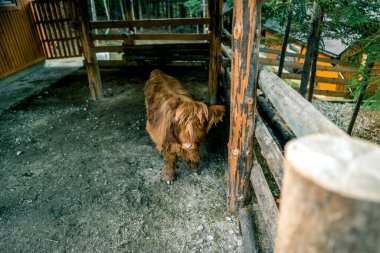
{"points": [[216, 14], [244, 72], [90, 61], [331, 196]]}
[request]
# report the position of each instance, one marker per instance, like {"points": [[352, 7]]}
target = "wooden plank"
{"points": [[148, 23], [161, 36], [299, 65], [270, 151], [215, 8], [244, 71], [126, 63], [318, 79], [301, 116], [331, 93], [18, 43], [332, 61], [61, 30], [265, 199], [250, 240], [20, 67], [11, 42], [55, 29], [71, 12], [46, 29]]}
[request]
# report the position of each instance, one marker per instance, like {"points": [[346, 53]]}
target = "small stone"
{"points": [[200, 227], [210, 238], [228, 218], [19, 152], [200, 241], [230, 231], [239, 243]]}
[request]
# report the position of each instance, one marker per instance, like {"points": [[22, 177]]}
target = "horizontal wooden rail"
{"points": [[113, 49], [332, 61], [318, 79], [149, 23], [301, 116], [126, 63], [299, 65], [270, 151], [265, 199], [161, 36]]}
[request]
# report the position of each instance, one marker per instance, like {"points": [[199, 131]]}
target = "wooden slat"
{"points": [[301, 116], [151, 36], [148, 23], [40, 29], [60, 28], [270, 151], [265, 199], [12, 43], [299, 65], [16, 33], [274, 51], [18, 68], [46, 29], [317, 79]]}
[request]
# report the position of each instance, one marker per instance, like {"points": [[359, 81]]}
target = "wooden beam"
{"points": [[270, 151], [265, 199], [299, 65], [215, 11], [244, 71], [149, 23], [318, 79], [126, 63], [332, 61], [331, 196], [90, 61], [301, 116], [158, 36]]}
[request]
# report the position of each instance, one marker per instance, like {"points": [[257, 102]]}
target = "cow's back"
{"points": [[161, 93]]}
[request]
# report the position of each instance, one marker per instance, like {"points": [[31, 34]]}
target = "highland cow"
{"points": [[176, 123]]}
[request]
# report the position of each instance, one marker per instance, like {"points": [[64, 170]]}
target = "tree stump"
{"points": [[331, 196]]}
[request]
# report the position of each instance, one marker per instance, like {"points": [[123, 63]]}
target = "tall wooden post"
{"points": [[215, 13], [244, 77], [90, 61], [330, 198]]}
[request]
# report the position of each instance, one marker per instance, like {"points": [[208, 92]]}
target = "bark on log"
{"points": [[301, 116], [250, 244], [89, 52], [244, 70], [215, 10], [331, 196]]}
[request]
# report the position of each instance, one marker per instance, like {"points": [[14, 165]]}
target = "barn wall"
{"points": [[19, 43]]}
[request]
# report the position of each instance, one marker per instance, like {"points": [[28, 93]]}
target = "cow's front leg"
{"points": [[192, 159], [169, 168]]}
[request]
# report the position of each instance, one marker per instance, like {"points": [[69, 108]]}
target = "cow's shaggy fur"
{"points": [[176, 123]]}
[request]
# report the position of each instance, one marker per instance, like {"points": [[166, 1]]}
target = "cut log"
{"points": [[301, 116], [331, 196]]}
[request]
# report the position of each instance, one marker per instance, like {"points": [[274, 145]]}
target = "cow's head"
{"points": [[193, 120]]}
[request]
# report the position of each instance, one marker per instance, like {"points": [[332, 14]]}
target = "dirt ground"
{"points": [[82, 176]]}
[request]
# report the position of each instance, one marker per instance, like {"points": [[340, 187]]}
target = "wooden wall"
{"points": [[19, 43]]}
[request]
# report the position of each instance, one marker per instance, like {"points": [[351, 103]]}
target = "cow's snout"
{"points": [[187, 145]]}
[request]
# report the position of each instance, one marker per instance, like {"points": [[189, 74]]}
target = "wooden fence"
{"points": [[19, 47], [58, 28], [283, 115]]}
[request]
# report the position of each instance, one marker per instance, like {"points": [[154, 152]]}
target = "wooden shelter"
{"points": [[43, 29]]}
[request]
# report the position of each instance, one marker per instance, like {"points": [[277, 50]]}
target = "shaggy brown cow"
{"points": [[176, 123]]}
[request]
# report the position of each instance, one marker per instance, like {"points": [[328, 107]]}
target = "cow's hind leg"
{"points": [[169, 168]]}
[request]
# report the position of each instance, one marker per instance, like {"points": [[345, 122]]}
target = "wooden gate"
{"points": [[58, 27]]}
